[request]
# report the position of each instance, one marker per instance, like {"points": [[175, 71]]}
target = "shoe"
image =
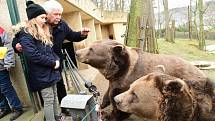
{"points": [[60, 118], [15, 115], [4, 113], [65, 111]]}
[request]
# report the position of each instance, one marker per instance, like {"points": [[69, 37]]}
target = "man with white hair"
{"points": [[60, 32]]}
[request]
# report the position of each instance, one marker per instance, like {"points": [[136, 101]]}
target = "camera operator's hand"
{"points": [[8, 69], [57, 64], [85, 31], [19, 47]]}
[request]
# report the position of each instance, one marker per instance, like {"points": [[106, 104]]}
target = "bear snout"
{"points": [[77, 55], [117, 100], [80, 56]]}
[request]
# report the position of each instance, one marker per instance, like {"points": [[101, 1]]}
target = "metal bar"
{"points": [[65, 74], [88, 114], [25, 70], [13, 11], [75, 79], [75, 68], [92, 88]]}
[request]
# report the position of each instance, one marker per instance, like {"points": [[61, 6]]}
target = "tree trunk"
{"points": [[201, 26], [190, 22], [123, 4], [141, 26], [102, 5], [132, 25], [195, 22], [116, 5], [172, 34], [120, 5], [167, 19], [159, 25], [150, 42]]}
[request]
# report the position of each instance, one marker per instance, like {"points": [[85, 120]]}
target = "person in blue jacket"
{"points": [[42, 62], [60, 32], [8, 96]]}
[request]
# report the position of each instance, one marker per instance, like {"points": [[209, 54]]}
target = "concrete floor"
{"points": [[28, 115]]}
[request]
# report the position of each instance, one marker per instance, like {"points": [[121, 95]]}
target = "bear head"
{"points": [[158, 96], [109, 57]]}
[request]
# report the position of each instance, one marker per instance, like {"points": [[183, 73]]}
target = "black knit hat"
{"points": [[33, 10]]}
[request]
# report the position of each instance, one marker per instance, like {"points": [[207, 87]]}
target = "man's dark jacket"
{"points": [[63, 32]]}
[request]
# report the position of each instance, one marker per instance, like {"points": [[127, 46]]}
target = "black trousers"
{"points": [[61, 90]]}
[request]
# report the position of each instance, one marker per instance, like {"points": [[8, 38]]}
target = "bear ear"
{"points": [[117, 48], [159, 69], [174, 86], [158, 79]]}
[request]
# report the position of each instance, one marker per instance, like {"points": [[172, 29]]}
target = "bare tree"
{"points": [[113, 5], [210, 21], [141, 30], [172, 30], [158, 21], [167, 19], [190, 20], [201, 25], [134, 14], [150, 42], [195, 20]]}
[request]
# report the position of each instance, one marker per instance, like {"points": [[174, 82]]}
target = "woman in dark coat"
{"points": [[42, 62]]}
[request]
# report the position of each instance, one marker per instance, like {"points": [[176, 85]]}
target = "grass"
{"points": [[188, 50]]}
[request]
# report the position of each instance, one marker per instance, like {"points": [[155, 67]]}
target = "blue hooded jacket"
{"points": [[40, 61]]}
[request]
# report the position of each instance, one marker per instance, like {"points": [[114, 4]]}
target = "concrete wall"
{"points": [[98, 31], [105, 31], [111, 31], [86, 5], [4, 15], [92, 34], [113, 17], [74, 20], [119, 30]]}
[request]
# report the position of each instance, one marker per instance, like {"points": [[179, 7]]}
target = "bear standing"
{"points": [[122, 65]]}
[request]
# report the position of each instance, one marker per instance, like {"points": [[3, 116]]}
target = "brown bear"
{"points": [[122, 65], [161, 97]]}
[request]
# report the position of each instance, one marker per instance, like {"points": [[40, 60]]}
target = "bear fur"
{"points": [[122, 65], [161, 97]]}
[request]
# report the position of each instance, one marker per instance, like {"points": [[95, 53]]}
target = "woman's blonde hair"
{"points": [[39, 33], [32, 27]]}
